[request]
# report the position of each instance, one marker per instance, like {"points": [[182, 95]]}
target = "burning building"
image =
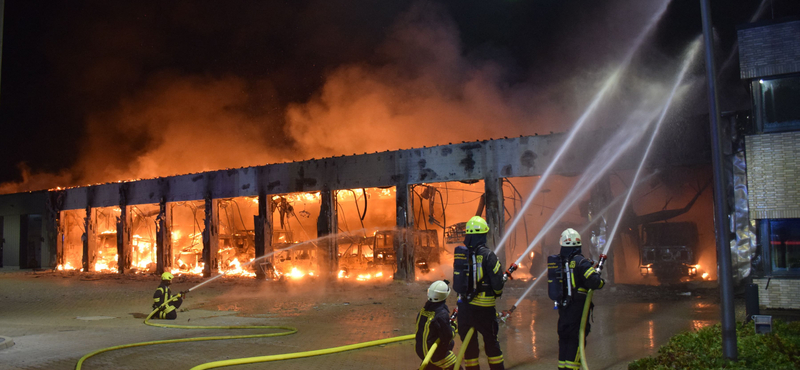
{"points": [[394, 214]]}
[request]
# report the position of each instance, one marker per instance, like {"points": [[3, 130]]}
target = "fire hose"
{"points": [[248, 360], [585, 317], [428, 357]]}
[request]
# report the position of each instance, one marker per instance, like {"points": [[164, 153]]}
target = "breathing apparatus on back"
{"points": [[559, 269]]}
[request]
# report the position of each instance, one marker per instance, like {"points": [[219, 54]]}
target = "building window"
{"points": [[780, 97], [784, 240]]}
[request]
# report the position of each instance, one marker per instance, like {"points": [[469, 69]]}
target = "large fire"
{"points": [[293, 259]]}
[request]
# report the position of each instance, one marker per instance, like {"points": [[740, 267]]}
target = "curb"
{"points": [[6, 342]]}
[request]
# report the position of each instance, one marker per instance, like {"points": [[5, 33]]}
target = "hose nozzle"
{"points": [[602, 262], [511, 269], [504, 315]]}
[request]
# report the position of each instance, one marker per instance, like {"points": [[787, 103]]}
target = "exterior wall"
{"points": [[782, 293], [769, 50], [11, 247], [13, 207], [773, 173]]}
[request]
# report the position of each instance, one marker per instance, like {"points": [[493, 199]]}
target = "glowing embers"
{"points": [[143, 233], [186, 222], [236, 235], [70, 247]]}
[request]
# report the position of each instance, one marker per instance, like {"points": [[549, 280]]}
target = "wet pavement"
{"points": [[56, 318]]}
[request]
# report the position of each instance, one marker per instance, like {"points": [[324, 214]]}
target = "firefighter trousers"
{"points": [[170, 310], [484, 320], [569, 326]]}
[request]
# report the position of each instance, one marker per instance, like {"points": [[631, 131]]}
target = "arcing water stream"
{"points": [[311, 241], [686, 64], [607, 85], [611, 205], [623, 140]]}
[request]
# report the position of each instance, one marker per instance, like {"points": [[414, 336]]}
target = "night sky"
{"points": [[96, 91]]}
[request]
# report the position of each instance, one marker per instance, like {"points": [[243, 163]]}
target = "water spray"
{"points": [[693, 50], [312, 241], [610, 82], [613, 203], [505, 315], [608, 155]]}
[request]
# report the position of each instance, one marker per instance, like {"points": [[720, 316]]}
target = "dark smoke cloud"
{"points": [[147, 89]]}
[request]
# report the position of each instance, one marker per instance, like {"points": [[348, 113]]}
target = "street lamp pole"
{"points": [[725, 276]]}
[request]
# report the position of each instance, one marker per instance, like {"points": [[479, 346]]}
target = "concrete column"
{"points": [[328, 253], [52, 221], [210, 237], [263, 235], [89, 239], [404, 240], [493, 186], [124, 242], [163, 238]]}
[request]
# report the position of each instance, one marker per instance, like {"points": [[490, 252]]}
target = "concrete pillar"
{"points": [[210, 237], [328, 253], [89, 239], [404, 240], [263, 235], [163, 237], [124, 242], [52, 222], [495, 217]]}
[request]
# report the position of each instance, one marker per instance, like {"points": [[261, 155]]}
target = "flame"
{"points": [[235, 268], [295, 273], [67, 266], [341, 274], [705, 275]]}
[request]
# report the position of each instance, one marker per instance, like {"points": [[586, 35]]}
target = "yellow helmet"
{"points": [[167, 276], [477, 225]]}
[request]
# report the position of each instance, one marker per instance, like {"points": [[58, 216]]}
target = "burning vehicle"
{"points": [[669, 251]]}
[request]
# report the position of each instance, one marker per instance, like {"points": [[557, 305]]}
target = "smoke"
{"points": [[421, 87], [427, 94]]}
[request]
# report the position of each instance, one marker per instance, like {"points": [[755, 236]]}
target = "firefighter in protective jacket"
{"points": [[476, 308], [167, 311], [433, 323], [583, 277]]}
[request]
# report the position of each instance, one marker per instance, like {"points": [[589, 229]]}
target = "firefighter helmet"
{"points": [[167, 276], [438, 291], [570, 238], [477, 225]]}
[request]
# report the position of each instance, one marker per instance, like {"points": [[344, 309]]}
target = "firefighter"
{"points": [[433, 322], [485, 284], [163, 294], [583, 277]]}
